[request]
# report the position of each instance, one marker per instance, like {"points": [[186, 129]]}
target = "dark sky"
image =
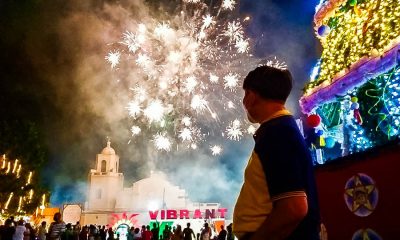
{"points": [[48, 75]]}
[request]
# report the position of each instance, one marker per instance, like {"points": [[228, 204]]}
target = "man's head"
{"points": [[8, 222], [57, 217], [265, 84], [269, 82]]}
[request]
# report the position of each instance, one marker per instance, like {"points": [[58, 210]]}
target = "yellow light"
{"points": [[3, 165], [42, 207], [15, 165], [29, 178], [8, 167], [19, 204], [370, 32], [19, 170], [30, 194], [8, 201]]}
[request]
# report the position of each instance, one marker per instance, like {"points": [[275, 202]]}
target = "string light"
{"points": [[42, 206], [24, 195], [19, 170], [354, 87], [8, 167], [4, 163], [8, 201], [15, 165], [19, 204], [30, 195], [29, 178], [371, 30], [381, 104]]}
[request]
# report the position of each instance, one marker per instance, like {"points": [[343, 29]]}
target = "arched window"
{"points": [[103, 166]]}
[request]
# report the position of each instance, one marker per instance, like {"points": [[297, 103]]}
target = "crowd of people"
{"points": [[177, 233], [21, 230], [58, 230]]}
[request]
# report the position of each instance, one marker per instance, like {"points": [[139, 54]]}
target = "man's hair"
{"points": [[269, 82], [57, 216]]}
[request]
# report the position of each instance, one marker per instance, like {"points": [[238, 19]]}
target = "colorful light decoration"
{"points": [[359, 141], [380, 105], [386, 102], [359, 41], [120, 219], [355, 85]]}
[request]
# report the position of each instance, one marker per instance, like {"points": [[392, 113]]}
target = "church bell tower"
{"points": [[105, 181]]}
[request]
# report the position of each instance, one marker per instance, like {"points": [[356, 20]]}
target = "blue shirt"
{"points": [[280, 166], [287, 164]]}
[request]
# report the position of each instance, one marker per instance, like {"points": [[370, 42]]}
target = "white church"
{"points": [[154, 198]]}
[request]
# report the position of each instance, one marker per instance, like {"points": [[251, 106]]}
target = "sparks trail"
{"points": [[186, 72]]}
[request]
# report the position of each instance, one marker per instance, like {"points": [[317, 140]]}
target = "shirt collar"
{"points": [[280, 113]]}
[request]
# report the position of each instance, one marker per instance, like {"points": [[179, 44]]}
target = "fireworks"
{"points": [[228, 4], [275, 63], [216, 150], [113, 58], [162, 142], [234, 130], [187, 76]]}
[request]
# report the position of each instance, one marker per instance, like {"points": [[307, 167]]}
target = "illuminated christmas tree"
{"points": [[354, 87]]}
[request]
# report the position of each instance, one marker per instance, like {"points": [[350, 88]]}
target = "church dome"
{"points": [[108, 150]]}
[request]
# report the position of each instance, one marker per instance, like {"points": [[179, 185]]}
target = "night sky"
{"points": [[52, 73]]}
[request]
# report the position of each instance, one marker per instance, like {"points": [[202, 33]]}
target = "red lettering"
{"points": [[171, 214], [197, 214], [153, 215], [184, 214], [210, 214], [222, 212]]}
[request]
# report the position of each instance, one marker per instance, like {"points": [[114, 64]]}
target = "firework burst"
{"points": [[188, 71]]}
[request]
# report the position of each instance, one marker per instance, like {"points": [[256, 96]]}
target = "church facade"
{"points": [[147, 200]]}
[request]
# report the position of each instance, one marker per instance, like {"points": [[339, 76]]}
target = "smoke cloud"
{"points": [[82, 101]]}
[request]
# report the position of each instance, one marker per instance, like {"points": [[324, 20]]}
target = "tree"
{"points": [[21, 139]]}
